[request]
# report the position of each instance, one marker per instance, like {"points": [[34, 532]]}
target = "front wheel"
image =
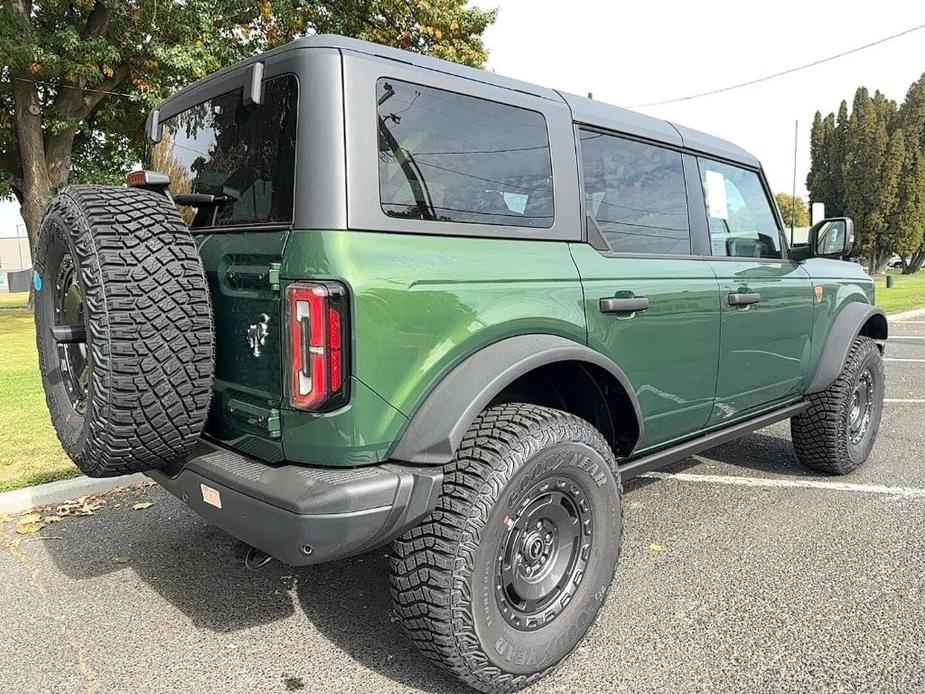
{"points": [[836, 433], [509, 572]]}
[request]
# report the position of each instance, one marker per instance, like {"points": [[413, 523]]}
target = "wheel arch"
{"points": [[856, 318], [539, 368]]}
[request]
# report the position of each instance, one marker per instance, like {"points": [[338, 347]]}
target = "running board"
{"points": [[698, 445]]}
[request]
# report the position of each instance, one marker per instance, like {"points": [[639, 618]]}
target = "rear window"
{"points": [[449, 157], [222, 147]]}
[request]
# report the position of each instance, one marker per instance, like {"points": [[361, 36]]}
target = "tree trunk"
{"points": [[36, 185], [915, 263], [878, 260]]}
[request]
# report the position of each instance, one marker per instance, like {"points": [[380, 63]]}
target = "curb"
{"points": [[20, 500], [905, 315]]}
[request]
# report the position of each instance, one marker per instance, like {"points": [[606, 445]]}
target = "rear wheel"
{"points": [[836, 433], [124, 329], [505, 578]]}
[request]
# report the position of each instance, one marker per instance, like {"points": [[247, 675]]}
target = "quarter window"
{"points": [[449, 157], [742, 223], [636, 193]]}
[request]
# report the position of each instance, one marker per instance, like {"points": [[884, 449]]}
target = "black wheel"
{"points": [[837, 432], [508, 574], [124, 329]]}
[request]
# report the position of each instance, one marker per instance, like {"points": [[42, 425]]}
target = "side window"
{"points": [[449, 157], [742, 223], [637, 194]]}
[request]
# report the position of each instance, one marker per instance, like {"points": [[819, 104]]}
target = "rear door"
{"points": [[245, 155], [652, 306], [766, 298]]}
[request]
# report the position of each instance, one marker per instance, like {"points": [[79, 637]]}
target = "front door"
{"points": [[651, 306], [766, 299]]}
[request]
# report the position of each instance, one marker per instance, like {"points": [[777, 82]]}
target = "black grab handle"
{"points": [[614, 305], [744, 298]]}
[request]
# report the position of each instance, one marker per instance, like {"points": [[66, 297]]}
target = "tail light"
{"points": [[319, 338]]}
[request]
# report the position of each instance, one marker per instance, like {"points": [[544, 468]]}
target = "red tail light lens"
{"points": [[318, 325]]}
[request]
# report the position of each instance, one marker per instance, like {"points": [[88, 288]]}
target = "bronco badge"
{"points": [[257, 334]]}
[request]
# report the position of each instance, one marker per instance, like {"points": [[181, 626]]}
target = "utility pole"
{"points": [[19, 245], [796, 130]]}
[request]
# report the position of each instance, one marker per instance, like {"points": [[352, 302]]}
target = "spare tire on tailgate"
{"points": [[124, 329]]}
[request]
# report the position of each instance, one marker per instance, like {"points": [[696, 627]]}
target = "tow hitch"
{"points": [[256, 559]]}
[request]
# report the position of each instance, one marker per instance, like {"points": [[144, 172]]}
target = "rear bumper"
{"points": [[303, 515]]}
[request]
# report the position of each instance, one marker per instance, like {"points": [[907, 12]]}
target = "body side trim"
{"points": [[440, 423], [845, 328]]}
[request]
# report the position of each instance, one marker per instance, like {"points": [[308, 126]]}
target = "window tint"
{"points": [[637, 194], [742, 223], [222, 147], [454, 158]]}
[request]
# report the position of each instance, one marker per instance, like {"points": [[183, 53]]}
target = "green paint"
{"points": [[421, 304]]}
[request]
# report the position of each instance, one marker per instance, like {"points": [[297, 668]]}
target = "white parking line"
{"points": [[906, 337], [903, 399], [912, 492], [897, 359]]}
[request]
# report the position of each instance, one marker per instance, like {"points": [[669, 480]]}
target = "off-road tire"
{"points": [[149, 336], [442, 570], [821, 433]]}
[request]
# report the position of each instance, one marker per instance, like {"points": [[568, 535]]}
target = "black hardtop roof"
{"points": [[587, 111]]}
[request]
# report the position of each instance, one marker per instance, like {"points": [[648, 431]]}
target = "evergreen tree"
{"points": [[838, 150], [910, 237]]}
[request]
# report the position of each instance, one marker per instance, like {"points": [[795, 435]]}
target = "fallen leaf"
{"points": [[50, 519], [122, 559], [30, 518], [28, 528], [656, 547], [141, 505]]}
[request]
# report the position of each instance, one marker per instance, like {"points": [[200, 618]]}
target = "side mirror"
{"points": [[830, 238]]}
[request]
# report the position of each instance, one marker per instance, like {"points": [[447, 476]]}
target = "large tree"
{"points": [[910, 238], [792, 209], [78, 77], [869, 172]]}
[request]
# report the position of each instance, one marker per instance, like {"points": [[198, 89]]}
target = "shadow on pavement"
{"points": [[200, 570]]}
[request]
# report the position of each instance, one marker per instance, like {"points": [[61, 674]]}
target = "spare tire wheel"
{"points": [[124, 329]]}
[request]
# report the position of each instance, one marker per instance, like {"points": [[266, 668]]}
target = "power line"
{"points": [[788, 71], [56, 85]]}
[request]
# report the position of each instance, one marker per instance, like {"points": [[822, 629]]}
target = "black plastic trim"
{"points": [[672, 455], [440, 423], [846, 326], [285, 510]]}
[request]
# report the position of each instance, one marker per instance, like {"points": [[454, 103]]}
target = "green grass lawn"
{"points": [[29, 450], [17, 300], [908, 292]]}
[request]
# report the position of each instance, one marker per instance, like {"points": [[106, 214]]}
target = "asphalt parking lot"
{"points": [[741, 572]]}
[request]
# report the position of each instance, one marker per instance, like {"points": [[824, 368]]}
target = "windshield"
{"points": [[247, 154]]}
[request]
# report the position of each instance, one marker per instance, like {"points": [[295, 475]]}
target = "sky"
{"points": [[629, 54]]}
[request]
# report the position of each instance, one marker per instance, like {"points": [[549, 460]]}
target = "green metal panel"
{"points": [[765, 347], [239, 268], [420, 305], [668, 352], [841, 283]]}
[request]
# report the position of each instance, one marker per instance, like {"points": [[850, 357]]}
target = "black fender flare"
{"points": [[847, 325], [440, 422]]}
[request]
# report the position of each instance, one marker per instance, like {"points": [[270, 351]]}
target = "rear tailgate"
{"points": [[242, 270]]}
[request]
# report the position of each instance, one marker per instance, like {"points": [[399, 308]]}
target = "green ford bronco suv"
{"points": [[361, 296]]}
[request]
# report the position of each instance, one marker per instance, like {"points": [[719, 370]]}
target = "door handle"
{"points": [[615, 305], [744, 298]]}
